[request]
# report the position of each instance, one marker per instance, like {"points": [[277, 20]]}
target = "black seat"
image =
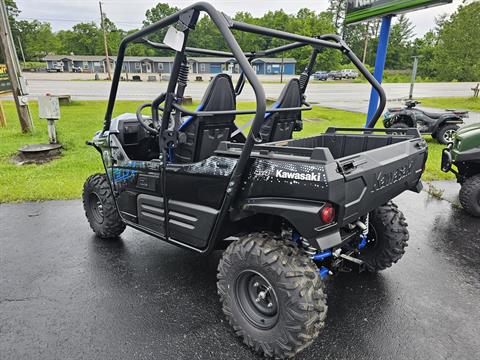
{"points": [[433, 115], [279, 126], [203, 134]]}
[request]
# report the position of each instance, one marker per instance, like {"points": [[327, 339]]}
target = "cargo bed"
{"points": [[360, 169]]}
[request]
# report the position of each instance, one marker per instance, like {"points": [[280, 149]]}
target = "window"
{"points": [[85, 64], [202, 68], [160, 66], [138, 65], [269, 69]]}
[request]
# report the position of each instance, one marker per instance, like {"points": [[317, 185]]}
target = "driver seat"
{"points": [[280, 126], [203, 134]]}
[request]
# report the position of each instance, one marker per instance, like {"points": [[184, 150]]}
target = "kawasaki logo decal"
{"points": [[386, 179], [297, 176]]}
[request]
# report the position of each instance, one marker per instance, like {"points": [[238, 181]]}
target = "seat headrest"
{"points": [[220, 94], [291, 95]]}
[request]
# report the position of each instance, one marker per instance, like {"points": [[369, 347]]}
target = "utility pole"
{"points": [[281, 69], [414, 76], [19, 87], [105, 42], [365, 46], [21, 51]]}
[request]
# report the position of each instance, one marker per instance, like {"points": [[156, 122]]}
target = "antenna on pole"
{"points": [[105, 42]]}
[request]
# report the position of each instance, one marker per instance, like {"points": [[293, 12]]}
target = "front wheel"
{"points": [[446, 134], [100, 208], [272, 295], [387, 238], [470, 195]]}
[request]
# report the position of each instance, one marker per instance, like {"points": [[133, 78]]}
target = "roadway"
{"points": [[339, 95], [349, 96]]}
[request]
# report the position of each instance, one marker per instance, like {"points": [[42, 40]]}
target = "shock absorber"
{"points": [[183, 75], [181, 85], [303, 79]]}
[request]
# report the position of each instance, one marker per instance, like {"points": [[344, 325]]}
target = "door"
{"points": [[148, 67], [215, 68], [136, 181]]}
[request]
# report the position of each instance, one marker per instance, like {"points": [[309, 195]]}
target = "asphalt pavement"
{"points": [[65, 294], [336, 92]]}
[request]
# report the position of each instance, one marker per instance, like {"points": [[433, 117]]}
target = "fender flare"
{"points": [[441, 122], [304, 215]]}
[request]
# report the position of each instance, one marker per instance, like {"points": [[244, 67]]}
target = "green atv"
{"points": [[464, 154]]}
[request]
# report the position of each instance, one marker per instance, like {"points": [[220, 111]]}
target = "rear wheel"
{"points": [[470, 195], [398, 126], [446, 134], [272, 295], [100, 208], [387, 238]]}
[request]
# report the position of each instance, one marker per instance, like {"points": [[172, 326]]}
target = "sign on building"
{"points": [[360, 10], [5, 84]]}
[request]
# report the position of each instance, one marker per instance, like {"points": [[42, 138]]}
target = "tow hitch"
{"points": [[340, 255]]}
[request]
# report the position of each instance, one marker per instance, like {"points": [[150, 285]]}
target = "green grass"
{"points": [[63, 178], [461, 103]]}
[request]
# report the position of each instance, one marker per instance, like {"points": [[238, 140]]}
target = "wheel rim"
{"points": [[256, 299], [449, 135], [96, 207], [371, 238]]}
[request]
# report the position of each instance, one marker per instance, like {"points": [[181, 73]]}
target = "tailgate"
{"points": [[374, 177]]}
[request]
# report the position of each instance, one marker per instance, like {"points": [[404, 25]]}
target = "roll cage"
{"points": [[185, 21]]}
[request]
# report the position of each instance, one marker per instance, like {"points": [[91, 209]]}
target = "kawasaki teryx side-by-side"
{"points": [[289, 212]]}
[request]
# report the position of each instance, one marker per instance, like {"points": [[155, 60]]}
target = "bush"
{"points": [[29, 65]]}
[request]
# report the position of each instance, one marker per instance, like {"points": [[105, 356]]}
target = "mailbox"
{"points": [[49, 109]]}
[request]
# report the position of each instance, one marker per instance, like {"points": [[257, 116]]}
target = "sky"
{"points": [[128, 14]]}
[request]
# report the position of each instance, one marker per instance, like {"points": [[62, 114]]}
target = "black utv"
{"points": [[289, 213]]}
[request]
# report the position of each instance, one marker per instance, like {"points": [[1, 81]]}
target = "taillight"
{"points": [[327, 214]]}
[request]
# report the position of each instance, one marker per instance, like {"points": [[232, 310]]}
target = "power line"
{"points": [[76, 20]]}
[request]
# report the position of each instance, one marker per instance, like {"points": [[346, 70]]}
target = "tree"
{"points": [[156, 13], [457, 56], [338, 8], [83, 39], [425, 48], [37, 39], [400, 49]]}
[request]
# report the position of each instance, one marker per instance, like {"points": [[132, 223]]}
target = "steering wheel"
{"points": [[141, 120]]}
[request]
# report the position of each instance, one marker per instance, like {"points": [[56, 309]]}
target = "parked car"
{"points": [[321, 75], [335, 75], [349, 74], [77, 69], [57, 67]]}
